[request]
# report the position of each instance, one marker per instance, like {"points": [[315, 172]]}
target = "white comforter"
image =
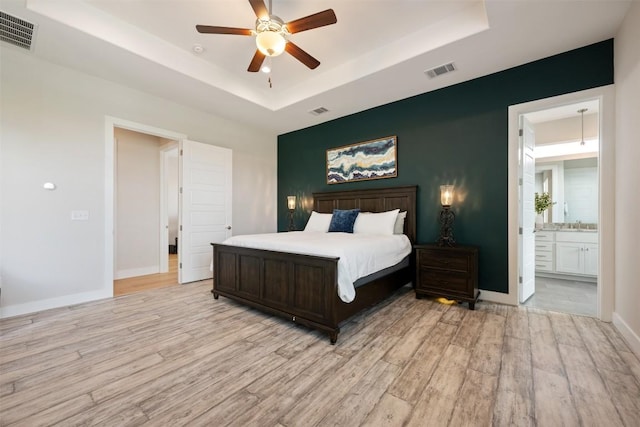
{"points": [[360, 254]]}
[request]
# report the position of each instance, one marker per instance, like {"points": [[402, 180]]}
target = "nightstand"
{"points": [[450, 272]]}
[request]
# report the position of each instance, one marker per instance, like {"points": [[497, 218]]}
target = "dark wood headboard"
{"points": [[373, 200]]}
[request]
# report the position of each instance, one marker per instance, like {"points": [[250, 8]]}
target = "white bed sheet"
{"points": [[360, 254]]}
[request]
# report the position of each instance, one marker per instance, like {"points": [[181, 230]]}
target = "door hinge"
{"points": [[519, 181], [180, 190], [181, 228], [180, 265], [520, 132], [519, 277], [181, 152], [519, 230]]}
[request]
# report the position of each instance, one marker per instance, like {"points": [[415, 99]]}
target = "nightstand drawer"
{"points": [[448, 282], [439, 259], [447, 271]]}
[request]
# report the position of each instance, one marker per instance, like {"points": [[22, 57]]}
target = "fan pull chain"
{"points": [[270, 84]]}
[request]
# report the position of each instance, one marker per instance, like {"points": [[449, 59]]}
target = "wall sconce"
{"points": [[291, 205], [447, 216]]}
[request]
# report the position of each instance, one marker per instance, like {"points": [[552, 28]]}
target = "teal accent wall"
{"points": [[455, 135]]}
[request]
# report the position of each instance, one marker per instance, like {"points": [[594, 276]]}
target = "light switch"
{"points": [[79, 215]]}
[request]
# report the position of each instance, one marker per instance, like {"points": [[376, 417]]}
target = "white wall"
{"points": [[137, 219], [627, 205], [52, 128]]}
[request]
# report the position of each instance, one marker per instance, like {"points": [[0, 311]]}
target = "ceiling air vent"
{"points": [[442, 69], [318, 111], [16, 31]]}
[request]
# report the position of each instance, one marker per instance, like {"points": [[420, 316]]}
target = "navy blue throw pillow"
{"points": [[342, 220]]}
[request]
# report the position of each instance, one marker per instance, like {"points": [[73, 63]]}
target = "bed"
{"points": [[304, 288]]}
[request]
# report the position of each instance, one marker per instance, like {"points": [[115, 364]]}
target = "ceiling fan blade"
{"points": [[256, 62], [208, 29], [259, 8], [320, 19], [301, 55]]}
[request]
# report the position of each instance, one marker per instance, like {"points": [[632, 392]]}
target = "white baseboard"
{"points": [[135, 272], [498, 297], [32, 307], [629, 335]]}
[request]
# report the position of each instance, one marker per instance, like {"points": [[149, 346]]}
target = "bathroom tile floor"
{"points": [[565, 296]]}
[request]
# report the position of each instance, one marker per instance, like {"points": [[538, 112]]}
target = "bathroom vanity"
{"points": [[572, 252]]}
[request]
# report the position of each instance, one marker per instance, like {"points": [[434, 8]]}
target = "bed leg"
{"points": [[333, 337], [215, 294]]}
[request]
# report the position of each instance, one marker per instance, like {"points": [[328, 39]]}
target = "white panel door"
{"points": [[205, 207], [527, 211]]}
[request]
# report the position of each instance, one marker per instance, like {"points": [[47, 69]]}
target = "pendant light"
{"points": [[582, 111]]}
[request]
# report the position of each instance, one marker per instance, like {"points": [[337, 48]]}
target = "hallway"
{"points": [[150, 281]]}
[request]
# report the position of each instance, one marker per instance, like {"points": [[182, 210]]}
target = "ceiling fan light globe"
{"points": [[270, 43]]}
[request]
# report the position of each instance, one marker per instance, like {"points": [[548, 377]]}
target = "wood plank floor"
{"points": [[174, 356], [149, 281]]}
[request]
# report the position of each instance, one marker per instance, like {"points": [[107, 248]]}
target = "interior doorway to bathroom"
{"points": [[565, 177], [563, 249]]}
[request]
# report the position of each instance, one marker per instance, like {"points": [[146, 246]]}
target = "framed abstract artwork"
{"points": [[374, 159]]}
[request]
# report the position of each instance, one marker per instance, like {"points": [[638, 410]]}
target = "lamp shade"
{"points": [[291, 202], [270, 43], [446, 195]]}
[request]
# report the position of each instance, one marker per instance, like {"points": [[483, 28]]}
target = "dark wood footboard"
{"points": [[299, 287]]}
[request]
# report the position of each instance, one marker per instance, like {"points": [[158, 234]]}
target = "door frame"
{"points": [[606, 181], [164, 203], [110, 175]]}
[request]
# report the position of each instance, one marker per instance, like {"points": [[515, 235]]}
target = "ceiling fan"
{"points": [[272, 34]]}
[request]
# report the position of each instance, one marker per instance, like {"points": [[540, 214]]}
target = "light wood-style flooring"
{"points": [[566, 296], [175, 356], [149, 281]]}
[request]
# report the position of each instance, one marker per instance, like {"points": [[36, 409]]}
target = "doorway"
{"points": [[146, 211], [604, 96], [205, 200], [111, 124], [565, 184]]}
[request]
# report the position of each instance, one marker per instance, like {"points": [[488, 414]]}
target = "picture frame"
{"points": [[374, 159]]}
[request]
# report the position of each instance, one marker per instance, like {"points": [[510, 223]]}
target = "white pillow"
{"points": [[318, 222], [398, 228], [376, 223]]}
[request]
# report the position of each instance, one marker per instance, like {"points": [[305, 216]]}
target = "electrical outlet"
{"points": [[79, 215]]}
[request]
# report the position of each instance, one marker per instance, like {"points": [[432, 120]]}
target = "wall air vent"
{"points": [[16, 31], [440, 70], [318, 111]]}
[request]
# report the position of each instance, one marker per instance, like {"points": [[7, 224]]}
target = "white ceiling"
{"points": [[376, 53], [564, 112]]}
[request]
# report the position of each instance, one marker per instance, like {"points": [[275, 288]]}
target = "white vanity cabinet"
{"points": [[577, 253], [545, 256]]}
